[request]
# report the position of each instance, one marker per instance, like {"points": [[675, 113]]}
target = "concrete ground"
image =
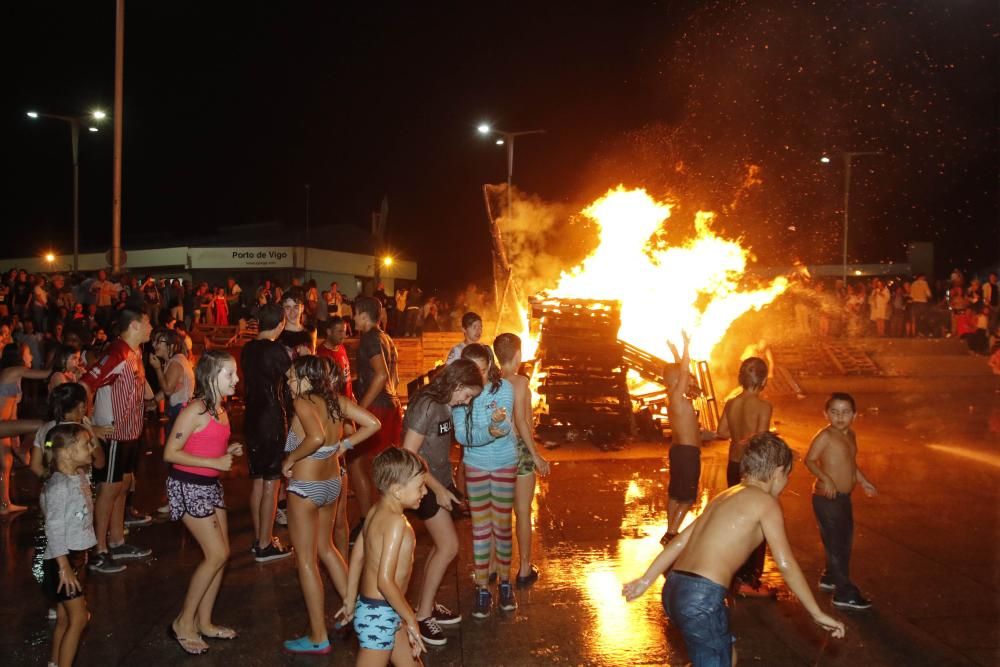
{"points": [[926, 551]]}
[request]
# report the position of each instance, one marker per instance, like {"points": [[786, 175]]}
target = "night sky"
{"points": [[231, 108]]}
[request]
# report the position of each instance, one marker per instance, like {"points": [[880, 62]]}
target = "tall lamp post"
{"points": [[848, 157], [507, 138], [75, 122]]}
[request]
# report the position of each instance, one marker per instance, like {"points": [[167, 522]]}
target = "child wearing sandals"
{"points": [[315, 440], [529, 460], [69, 531], [198, 450]]}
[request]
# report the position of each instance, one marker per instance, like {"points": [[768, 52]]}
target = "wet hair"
{"points": [[459, 373], [170, 337], [753, 373], [470, 318], [396, 466], [334, 321], [841, 396], [293, 294], [370, 306], [127, 316], [59, 437], [765, 453], [62, 356], [206, 378], [11, 355], [63, 399], [323, 379], [478, 351], [270, 316], [506, 345]]}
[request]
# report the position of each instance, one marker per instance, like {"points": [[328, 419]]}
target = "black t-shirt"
{"points": [[293, 339], [264, 364], [375, 342]]}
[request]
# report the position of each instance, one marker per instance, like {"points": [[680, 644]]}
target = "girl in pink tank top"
{"points": [[197, 450]]}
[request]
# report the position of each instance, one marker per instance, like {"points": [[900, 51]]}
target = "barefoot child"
{"points": [[832, 457], [69, 531], [745, 416], [685, 440], [707, 553], [381, 563], [198, 449], [529, 460]]}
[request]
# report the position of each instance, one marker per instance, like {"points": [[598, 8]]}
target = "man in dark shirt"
{"points": [[376, 392], [265, 362]]}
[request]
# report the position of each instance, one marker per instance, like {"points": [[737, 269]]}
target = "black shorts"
{"points": [[265, 439], [50, 576], [429, 506], [685, 470], [121, 457]]}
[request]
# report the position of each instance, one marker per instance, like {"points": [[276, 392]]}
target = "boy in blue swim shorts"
{"points": [[381, 563], [706, 554]]}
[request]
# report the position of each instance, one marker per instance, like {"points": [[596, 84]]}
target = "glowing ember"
{"points": [[695, 287]]}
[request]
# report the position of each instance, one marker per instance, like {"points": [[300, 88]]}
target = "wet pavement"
{"points": [[926, 551]]}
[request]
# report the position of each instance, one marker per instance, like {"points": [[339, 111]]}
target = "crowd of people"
{"points": [[960, 306]]}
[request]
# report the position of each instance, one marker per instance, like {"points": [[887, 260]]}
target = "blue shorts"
{"points": [[375, 623], [697, 606]]}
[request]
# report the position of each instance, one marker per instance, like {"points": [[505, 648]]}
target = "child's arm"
{"points": [[684, 361], [392, 540], [772, 522], [868, 487], [368, 424], [522, 422], [16, 427], [346, 612], [474, 437], [724, 431], [660, 564], [812, 461], [187, 422]]}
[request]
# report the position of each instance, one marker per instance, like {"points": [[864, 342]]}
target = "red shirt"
{"points": [[118, 382], [339, 358]]}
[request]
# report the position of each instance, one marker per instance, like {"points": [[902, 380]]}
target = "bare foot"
{"points": [[218, 632]]}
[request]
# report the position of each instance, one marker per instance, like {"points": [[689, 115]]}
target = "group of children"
{"points": [[723, 548]]}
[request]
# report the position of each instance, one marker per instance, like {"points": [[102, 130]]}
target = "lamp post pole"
{"points": [[508, 139], [116, 194], [848, 157]]}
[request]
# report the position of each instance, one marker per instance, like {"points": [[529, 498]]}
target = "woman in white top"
{"points": [[173, 370]]}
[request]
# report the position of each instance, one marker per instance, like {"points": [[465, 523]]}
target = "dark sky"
{"points": [[230, 108]]}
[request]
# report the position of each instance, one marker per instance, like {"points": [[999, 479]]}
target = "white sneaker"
{"points": [[281, 517]]}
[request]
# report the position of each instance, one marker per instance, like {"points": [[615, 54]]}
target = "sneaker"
{"points": [[507, 600], [529, 578], [855, 602], [163, 510], [52, 614], [273, 551], [105, 564], [445, 616], [483, 604], [134, 518], [304, 645], [431, 632], [826, 585], [126, 551], [281, 517]]}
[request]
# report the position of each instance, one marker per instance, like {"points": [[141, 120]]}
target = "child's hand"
{"points": [[541, 465], [68, 582], [446, 499], [236, 449], [498, 431], [500, 414], [828, 488], [224, 462], [830, 624], [869, 489], [635, 588], [416, 643], [286, 467], [154, 362], [345, 615]]}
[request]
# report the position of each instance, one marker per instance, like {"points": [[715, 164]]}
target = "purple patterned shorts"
{"points": [[197, 500]]}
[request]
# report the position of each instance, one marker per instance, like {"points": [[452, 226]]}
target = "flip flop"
{"points": [[222, 632], [186, 643]]}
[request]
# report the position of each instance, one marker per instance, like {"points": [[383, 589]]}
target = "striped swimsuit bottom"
{"points": [[321, 492]]}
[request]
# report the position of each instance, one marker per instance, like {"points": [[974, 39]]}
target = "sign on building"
{"points": [[241, 257]]}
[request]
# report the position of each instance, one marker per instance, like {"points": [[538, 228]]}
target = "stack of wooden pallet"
{"points": [[581, 373]]}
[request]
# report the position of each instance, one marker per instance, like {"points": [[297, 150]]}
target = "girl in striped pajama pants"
{"points": [[484, 429]]}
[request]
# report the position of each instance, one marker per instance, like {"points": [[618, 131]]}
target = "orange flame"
{"points": [[663, 290]]}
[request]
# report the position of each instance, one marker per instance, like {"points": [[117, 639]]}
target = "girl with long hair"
{"points": [[67, 366], [485, 429], [315, 440], [173, 370], [428, 429], [15, 365], [67, 403], [198, 450]]}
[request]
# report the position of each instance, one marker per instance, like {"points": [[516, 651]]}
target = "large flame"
{"points": [[663, 290]]}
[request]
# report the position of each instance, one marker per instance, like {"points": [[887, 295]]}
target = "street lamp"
{"points": [[74, 124], [508, 139], [387, 261], [848, 157]]}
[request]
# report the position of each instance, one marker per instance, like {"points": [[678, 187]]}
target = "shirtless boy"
{"points": [[832, 458], [381, 563], [707, 553], [745, 416], [685, 447]]}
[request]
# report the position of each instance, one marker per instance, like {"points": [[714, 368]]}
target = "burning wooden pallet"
{"points": [[580, 370]]}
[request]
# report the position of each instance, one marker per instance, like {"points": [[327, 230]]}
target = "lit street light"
{"points": [[848, 157], [387, 261], [49, 257], [508, 139], [74, 124]]}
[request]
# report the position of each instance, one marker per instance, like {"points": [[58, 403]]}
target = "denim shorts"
{"points": [[697, 606]]}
